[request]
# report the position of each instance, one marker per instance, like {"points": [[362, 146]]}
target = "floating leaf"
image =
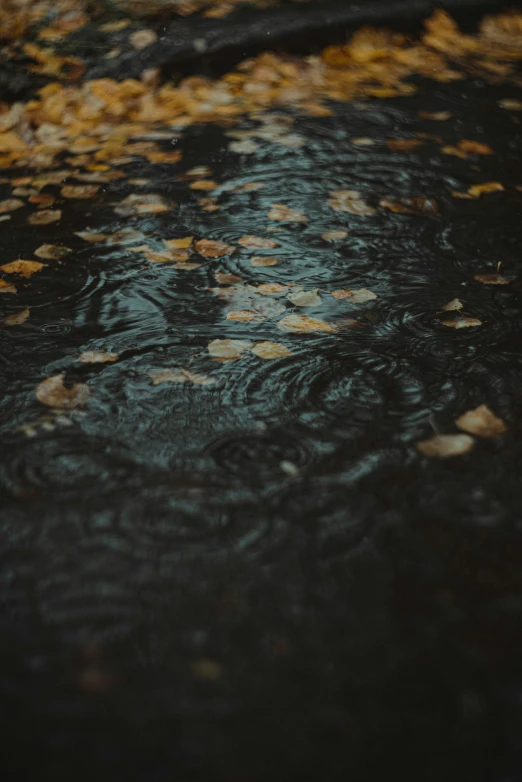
{"points": [[512, 104], [228, 349], [270, 288], [304, 324], [244, 316], [453, 305], [491, 279], [349, 201], [92, 236], [285, 214], [178, 244], [334, 236], [180, 376], [246, 147], [462, 323], [203, 184], [210, 248], [7, 287], [79, 191], [482, 422], [443, 446], [270, 350], [144, 203], [486, 187], [358, 296], [52, 252], [10, 204], [142, 38], [264, 260], [227, 279], [45, 217], [17, 318], [257, 243], [53, 393], [304, 298], [403, 144], [422, 207], [22, 268], [43, 200], [98, 357]]}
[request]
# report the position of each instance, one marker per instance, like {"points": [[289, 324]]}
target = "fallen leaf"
{"points": [[52, 252], [203, 184], [257, 243], [440, 116], [178, 244], [264, 260], [22, 268], [125, 236], [243, 316], [285, 214], [334, 236], [208, 205], [403, 144], [304, 298], [487, 187], [453, 305], [491, 279], [270, 288], [45, 217], [411, 206], [7, 287], [362, 141], [228, 349], [162, 157], [210, 248], [10, 204], [482, 422], [443, 446], [98, 357], [144, 203], [246, 147], [462, 323], [270, 350], [303, 324], [179, 376], [475, 147], [92, 236], [512, 104], [142, 38], [43, 200], [53, 393], [17, 318], [464, 196], [79, 191], [227, 279], [349, 201], [358, 296]]}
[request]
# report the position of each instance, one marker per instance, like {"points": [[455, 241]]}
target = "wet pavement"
{"points": [[231, 560]]}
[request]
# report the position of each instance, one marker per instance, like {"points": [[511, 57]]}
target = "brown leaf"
{"points": [[403, 144], [349, 201], [285, 214], [22, 268], [244, 316], [304, 324], [178, 244], [10, 204], [443, 446], [7, 287], [209, 248], [270, 288], [453, 305], [257, 242], [203, 184], [43, 200], [270, 350], [17, 318], [475, 147], [45, 217], [486, 187], [482, 422], [358, 296], [227, 279], [411, 206], [462, 323], [79, 191], [142, 38], [334, 236], [228, 349], [98, 357], [264, 260], [52, 392], [52, 252], [491, 279]]}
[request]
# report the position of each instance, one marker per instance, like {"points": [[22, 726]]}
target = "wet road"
{"points": [[255, 574]]}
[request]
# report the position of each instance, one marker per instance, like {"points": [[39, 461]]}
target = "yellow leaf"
{"points": [[443, 446], [264, 260], [487, 187], [178, 244], [228, 349], [243, 316], [22, 268], [482, 422], [79, 191], [257, 242], [270, 350], [303, 324], [210, 248]]}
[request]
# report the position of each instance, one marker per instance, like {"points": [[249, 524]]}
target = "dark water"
{"points": [[360, 607]]}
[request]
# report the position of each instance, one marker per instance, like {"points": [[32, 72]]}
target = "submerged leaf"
{"points": [[482, 422], [53, 393], [443, 446]]}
